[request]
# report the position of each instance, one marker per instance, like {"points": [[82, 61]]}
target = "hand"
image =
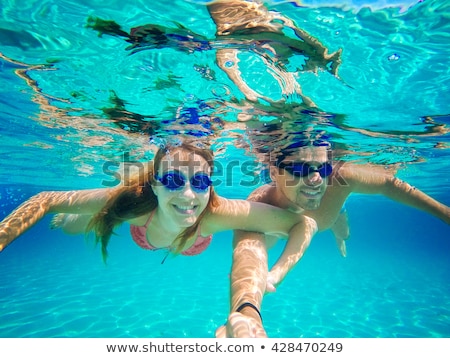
{"points": [[241, 326], [447, 216], [341, 231], [3, 243], [5, 238], [270, 283], [341, 246]]}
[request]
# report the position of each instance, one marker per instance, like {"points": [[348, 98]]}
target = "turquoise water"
{"points": [[57, 78]]}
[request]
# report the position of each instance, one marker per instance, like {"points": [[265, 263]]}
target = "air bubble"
{"points": [[394, 57]]}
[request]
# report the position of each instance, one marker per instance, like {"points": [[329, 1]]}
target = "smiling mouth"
{"points": [[310, 193], [185, 209]]}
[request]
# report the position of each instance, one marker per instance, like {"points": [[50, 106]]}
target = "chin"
{"points": [[311, 205], [189, 221]]}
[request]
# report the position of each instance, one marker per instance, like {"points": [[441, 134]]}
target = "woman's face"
{"points": [[182, 187]]}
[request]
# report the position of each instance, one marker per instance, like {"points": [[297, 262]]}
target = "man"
{"points": [[304, 181]]}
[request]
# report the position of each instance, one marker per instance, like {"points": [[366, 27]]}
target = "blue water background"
{"points": [[394, 283], [395, 280]]}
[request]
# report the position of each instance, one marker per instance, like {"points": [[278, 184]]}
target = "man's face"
{"points": [[298, 177]]}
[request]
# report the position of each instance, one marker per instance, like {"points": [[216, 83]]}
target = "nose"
{"points": [[314, 178], [187, 191]]}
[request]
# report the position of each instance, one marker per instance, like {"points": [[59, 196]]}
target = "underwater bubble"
{"points": [[394, 57], [190, 98], [221, 91]]}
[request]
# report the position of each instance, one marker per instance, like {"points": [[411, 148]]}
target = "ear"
{"points": [[153, 186], [273, 171]]}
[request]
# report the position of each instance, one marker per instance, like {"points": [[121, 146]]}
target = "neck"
{"points": [[282, 201], [167, 231]]}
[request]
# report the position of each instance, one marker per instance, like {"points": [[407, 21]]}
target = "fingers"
{"points": [[341, 246], [241, 326], [343, 249], [5, 242], [221, 332], [270, 284], [270, 288]]}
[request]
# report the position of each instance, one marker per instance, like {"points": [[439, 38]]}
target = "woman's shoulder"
{"points": [[226, 206], [140, 220]]}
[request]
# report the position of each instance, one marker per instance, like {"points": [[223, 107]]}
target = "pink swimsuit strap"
{"points": [[200, 245], [139, 235]]}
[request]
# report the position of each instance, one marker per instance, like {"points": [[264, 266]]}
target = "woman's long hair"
{"points": [[136, 198]]}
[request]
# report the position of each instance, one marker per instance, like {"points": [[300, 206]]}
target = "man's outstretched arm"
{"points": [[248, 284]]}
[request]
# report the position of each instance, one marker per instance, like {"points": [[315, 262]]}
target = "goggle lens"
{"points": [[200, 182], [302, 169]]}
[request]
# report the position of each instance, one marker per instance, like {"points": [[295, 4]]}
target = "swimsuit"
{"points": [[139, 235]]}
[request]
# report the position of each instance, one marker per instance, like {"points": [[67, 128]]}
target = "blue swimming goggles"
{"points": [[303, 169], [174, 180]]}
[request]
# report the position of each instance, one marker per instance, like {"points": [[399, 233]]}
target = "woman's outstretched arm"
{"points": [[299, 239], [35, 208], [236, 214]]}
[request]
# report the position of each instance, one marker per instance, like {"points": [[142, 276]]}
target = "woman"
{"points": [[171, 205]]}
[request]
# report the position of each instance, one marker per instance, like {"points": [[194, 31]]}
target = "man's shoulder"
{"points": [[359, 171], [262, 194]]}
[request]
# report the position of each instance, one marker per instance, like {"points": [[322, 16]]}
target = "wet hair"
{"points": [[136, 198], [291, 150]]}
